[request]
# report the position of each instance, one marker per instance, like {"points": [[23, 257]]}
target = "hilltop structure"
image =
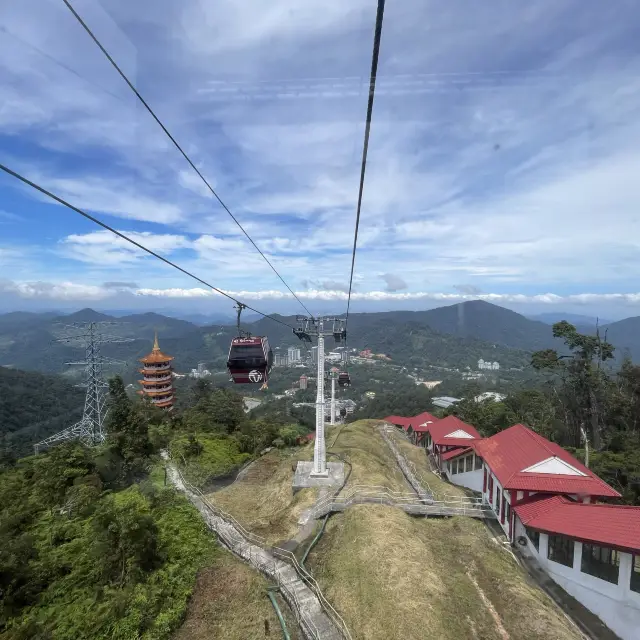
{"points": [[551, 508], [157, 382]]}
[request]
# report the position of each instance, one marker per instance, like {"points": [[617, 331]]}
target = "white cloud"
{"points": [[105, 248], [480, 171], [54, 291]]}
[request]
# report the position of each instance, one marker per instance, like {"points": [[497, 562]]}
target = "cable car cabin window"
{"points": [[534, 536], [635, 574], [601, 562], [561, 550], [247, 355]]}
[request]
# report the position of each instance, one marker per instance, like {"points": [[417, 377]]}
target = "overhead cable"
{"points": [[365, 148], [95, 220], [178, 147]]}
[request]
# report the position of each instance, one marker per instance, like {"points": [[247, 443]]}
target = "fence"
{"points": [[242, 542]]}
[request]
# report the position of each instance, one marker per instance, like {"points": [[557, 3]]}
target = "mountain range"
{"points": [[456, 335]]}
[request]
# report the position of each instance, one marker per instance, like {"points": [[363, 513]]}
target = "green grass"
{"points": [[219, 457]]}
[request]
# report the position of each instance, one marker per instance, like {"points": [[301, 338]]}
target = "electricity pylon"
{"points": [[319, 328], [90, 428]]}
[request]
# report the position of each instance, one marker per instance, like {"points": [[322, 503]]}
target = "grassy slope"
{"points": [[219, 457], [371, 461], [263, 501], [394, 576], [417, 455], [230, 601], [391, 575]]}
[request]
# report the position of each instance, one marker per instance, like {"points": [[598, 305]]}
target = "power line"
{"points": [[133, 242], [372, 89], [178, 147]]}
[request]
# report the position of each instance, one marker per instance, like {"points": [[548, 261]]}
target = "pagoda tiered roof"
{"points": [[156, 356]]}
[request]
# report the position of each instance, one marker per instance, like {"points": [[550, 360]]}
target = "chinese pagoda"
{"points": [[157, 383]]}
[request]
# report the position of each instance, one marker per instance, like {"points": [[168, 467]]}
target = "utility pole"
{"points": [[90, 429], [333, 398], [320, 328]]}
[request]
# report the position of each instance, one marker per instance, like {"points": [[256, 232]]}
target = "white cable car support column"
{"points": [[319, 451]]}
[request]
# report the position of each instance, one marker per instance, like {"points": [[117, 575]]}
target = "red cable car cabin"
{"points": [[344, 380], [250, 360]]}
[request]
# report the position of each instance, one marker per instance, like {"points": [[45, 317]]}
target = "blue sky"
{"points": [[504, 159]]}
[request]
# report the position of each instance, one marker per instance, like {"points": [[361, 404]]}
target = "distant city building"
{"points": [[490, 395], [314, 354], [334, 356], [430, 384], [303, 382], [293, 355], [366, 353], [491, 366], [444, 402], [157, 382], [280, 360]]}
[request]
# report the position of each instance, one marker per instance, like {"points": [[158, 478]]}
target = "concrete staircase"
{"points": [[318, 620]]}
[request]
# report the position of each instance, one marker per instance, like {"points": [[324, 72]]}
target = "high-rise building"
{"points": [[157, 382], [303, 381], [293, 355], [314, 354]]}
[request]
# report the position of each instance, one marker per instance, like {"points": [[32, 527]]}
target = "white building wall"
{"points": [[490, 498], [616, 605], [470, 479]]}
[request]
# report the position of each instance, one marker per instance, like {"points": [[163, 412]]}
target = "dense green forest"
{"points": [[94, 544], [32, 407], [583, 398]]}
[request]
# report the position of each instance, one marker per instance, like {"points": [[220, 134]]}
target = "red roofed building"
{"points": [[591, 550], [418, 426], [398, 421]]}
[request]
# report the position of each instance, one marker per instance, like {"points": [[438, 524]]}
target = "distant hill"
{"points": [[34, 406], [625, 336], [574, 318], [454, 336]]}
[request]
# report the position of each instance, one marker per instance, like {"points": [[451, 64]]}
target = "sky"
{"points": [[504, 159]]}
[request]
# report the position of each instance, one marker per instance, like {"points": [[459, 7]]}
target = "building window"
{"points": [[453, 465], [468, 465], [460, 465], [478, 463], [534, 536], [497, 502], [635, 574], [601, 562], [561, 550]]}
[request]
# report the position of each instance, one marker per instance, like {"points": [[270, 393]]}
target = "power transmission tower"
{"points": [[320, 328], [90, 429]]}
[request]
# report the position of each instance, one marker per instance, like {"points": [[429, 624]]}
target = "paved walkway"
{"points": [[296, 585]]}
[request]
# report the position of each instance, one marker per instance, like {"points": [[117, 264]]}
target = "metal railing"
{"points": [[247, 537], [358, 494]]}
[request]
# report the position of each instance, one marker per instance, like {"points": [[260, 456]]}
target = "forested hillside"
{"points": [[93, 544], [34, 406]]}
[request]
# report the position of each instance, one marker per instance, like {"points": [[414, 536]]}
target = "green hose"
{"points": [[315, 540], [283, 624]]}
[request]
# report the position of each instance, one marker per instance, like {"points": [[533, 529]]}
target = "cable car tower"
{"points": [[90, 429], [321, 473]]}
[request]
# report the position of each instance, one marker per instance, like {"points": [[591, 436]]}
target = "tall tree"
{"points": [[583, 392], [127, 430]]}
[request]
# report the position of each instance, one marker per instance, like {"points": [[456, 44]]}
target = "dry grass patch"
{"points": [[394, 576], [418, 456], [263, 500], [371, 460], [230, 601]]}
